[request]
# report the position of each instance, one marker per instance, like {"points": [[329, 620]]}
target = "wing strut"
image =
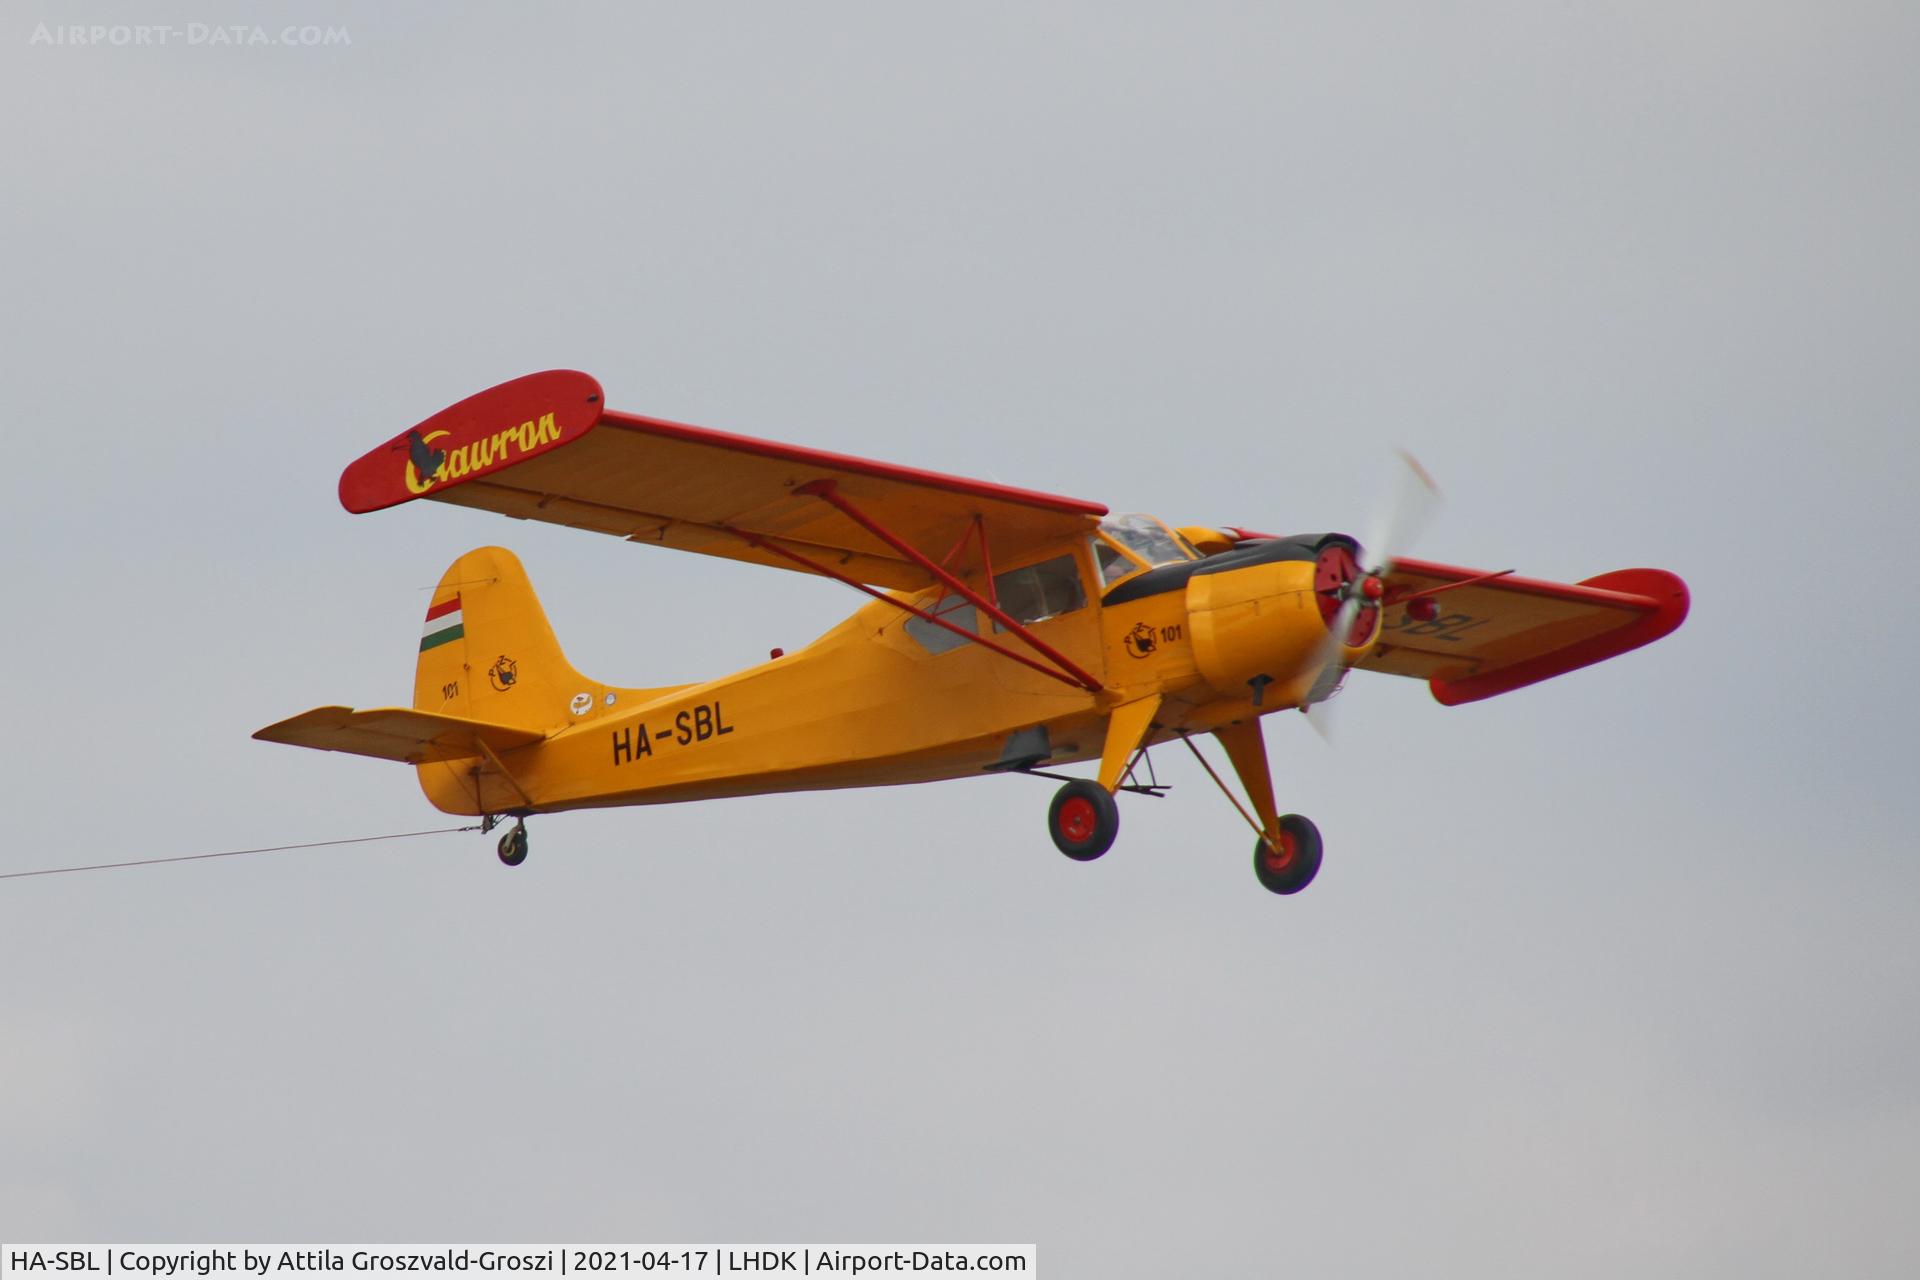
{"points": [[1057, 665], [827, 571], [1069, 672], [977, 529]]}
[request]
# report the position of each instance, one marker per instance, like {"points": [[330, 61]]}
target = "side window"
{"points": [[937, 639], [1040, 591], [1113, 566]]}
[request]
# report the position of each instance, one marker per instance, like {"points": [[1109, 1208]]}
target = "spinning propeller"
{"points": [[1352, 588]]}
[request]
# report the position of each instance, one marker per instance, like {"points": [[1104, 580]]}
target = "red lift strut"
{"points": [[1062, 668]]}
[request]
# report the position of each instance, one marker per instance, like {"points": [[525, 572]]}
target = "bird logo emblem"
{"points": [[427, 460]]}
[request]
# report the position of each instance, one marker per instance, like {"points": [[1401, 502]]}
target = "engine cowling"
{"points": [[1260, 624]]}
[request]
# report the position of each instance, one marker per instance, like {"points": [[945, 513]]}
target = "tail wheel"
{"points": [[1291, 867], [1083, 820], [513, 845]]}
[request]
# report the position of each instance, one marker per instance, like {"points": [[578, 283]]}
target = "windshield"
{"points": [[1146, 537]]}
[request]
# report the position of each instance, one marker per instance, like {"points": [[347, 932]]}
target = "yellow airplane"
{"points": [[1009, 631]]}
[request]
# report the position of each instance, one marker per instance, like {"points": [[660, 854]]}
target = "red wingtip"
{"points": [[1664, 592], [502, 425]]}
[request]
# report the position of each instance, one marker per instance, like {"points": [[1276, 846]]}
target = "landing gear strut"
{"points": [[1286, 855], [513, 845], [1084, 819]]}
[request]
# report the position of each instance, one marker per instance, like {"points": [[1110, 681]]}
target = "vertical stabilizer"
{"points": [[487, 652]]}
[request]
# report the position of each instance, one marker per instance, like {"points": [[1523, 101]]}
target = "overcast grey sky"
{"points": [[1612, 976]]}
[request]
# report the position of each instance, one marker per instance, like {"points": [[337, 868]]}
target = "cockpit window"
{"points": [[1112, 562], [1146, 538], [1039, 591]]}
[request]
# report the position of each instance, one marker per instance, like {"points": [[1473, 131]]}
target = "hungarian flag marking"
{"points": [[443, 624]]}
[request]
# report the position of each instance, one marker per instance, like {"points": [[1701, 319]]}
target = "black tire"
{"points": [[513, 846], [1083, 820], [1294, 866]]}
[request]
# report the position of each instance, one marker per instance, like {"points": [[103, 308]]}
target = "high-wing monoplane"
{"points": [[1009, 631]]}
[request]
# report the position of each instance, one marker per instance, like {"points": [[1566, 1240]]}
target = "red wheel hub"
{"points": [[1078, 819], [1278, 860]]}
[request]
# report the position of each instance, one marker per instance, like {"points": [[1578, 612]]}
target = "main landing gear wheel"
{"points": [[513, 845], [1292, 866], [1083, 820]]}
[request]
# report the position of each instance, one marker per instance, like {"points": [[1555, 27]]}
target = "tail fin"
{"points": [[487, 652], [491, 679]]}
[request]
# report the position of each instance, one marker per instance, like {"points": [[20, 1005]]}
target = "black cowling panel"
{"points": [[1173, 577]]}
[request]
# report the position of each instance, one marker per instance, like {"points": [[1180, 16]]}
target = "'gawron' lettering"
{"points": [[487, 451], [633, 743]]}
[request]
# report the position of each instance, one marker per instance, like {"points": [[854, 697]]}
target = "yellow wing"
{"points": [[1492, 634], [544, 447]]}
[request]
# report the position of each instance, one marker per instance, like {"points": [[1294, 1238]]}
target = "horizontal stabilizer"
{"points": [[396, 733]]}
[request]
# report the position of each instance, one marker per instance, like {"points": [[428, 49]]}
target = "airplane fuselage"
{"points": [[869, 703]]}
